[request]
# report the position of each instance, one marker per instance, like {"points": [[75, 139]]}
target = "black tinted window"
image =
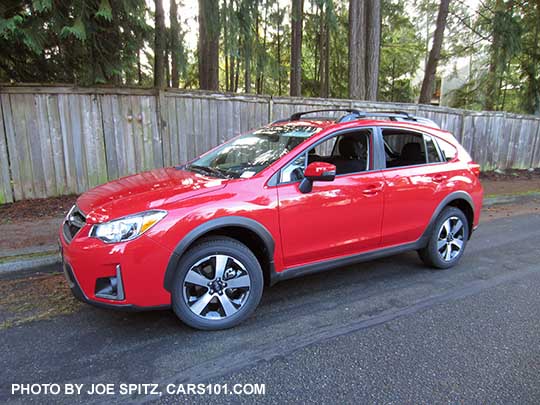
{"points": [[403, 148], [348, 152], [432, 151]]}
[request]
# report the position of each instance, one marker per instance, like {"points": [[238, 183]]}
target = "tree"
{"points": [[174, 44], [296, 47], [401, 52], [72, 42], [326, 25], [364, 48], [373, 48], [435, 54], [357, 49], [209, 44], [530, 59], [159, 46]]}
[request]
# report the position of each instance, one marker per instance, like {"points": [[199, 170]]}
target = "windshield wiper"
{"points": [[208, 170]]}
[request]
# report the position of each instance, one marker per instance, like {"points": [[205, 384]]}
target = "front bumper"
{"points": [[137, 268], [79, 294]]}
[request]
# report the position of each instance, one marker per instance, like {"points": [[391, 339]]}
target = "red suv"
{"points": [[298, 196]]}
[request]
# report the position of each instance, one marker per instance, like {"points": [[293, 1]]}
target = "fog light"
{"points": [[110, 288]]}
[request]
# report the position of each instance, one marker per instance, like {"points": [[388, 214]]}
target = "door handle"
{"points": [[372, 189], [439, 178]]}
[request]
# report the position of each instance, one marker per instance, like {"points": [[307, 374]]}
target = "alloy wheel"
{"points": [[450, 238], [216, 287]]}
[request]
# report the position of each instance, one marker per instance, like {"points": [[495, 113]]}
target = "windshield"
{"points": [[248, 154]]}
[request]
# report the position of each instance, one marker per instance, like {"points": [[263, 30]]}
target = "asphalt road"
{"points": [[387, 331]]}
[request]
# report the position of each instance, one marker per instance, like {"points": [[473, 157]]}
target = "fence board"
{"points": [[67, 142], [57, 147], [152, 140], [6, 193], [21, 146], [45, 144], [10, 144], [535, 148], [63, 140]]}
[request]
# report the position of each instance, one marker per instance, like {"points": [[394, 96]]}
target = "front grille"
{"points": [[75, 220]]}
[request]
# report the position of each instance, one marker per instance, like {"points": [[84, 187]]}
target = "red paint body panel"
{"points": [[352, 214], [325, 223]]}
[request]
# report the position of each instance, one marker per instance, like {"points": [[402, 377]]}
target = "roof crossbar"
{"points": [[298, 115], [357, 114]]}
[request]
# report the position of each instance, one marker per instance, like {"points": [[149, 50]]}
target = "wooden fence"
{"points": [[63, 140]]}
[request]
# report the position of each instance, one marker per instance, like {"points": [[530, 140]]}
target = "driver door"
{"points": [[338, 218]]}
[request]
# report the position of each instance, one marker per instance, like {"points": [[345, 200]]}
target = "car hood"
{"points": [[144, 191]]}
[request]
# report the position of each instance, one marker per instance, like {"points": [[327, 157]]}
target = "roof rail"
{"points": [[354, 114]]}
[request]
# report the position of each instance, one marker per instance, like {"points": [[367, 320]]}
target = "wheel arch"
{"points": [[459, 199], [247, 231]]}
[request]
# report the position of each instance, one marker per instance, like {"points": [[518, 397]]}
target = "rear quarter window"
{"points": [[448, 150]]}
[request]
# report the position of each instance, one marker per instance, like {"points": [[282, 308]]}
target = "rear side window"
{"points": [[448, 151], [403, 148], [432, 150]]}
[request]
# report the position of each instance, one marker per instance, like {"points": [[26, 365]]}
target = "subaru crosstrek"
{"points": [[297, 196]]}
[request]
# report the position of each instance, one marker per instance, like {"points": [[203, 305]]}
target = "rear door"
{"points": [[416, 181]]}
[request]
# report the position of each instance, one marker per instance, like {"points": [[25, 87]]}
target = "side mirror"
{"points": [[317, 171]]}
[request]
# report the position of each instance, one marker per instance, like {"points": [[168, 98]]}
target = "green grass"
{"points": [[36, 255], [516, 194]]}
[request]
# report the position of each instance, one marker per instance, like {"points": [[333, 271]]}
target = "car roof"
{"points": [[329, 123]]}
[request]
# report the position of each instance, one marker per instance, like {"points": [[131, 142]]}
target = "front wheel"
{"points": [[447, 240], [218, 284]]}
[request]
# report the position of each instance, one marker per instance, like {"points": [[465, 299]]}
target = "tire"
{"points": [[217, 285], [447, 241]]}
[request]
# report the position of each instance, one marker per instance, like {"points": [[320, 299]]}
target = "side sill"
{"points": [[318, 267]]}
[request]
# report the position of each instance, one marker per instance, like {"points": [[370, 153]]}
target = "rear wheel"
{"points": [[447, 240], [218, 284]]}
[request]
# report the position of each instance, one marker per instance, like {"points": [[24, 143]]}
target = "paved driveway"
{"points": [[387, 331]]}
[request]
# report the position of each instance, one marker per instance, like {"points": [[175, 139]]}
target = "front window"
{"points": [[248, 154], [349, 152]]}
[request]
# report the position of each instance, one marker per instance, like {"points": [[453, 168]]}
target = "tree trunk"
{"points": [[296, 47], [232, 74], [167, 65], [209, 44], [226, 47], [175, 35], [494, 63], [357, 49], [434, 54], [247, 67], [262, 51], [324, 53], [373, 48], [279, 58], [499, 58], [159, 46], [237, 75], [139, 67]]}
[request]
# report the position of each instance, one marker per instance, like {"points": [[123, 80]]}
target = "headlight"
{"points": [[127, 228]]}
